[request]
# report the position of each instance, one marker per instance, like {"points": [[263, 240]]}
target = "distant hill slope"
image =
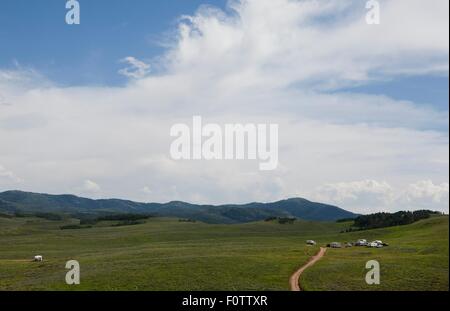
{"points": [[19, 201]]}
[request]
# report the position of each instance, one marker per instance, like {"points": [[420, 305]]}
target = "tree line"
{"points": [[381, 220]]}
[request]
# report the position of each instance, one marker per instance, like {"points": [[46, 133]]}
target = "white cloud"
{"points": [[146, 190], [8, 176], [367, 192], [319, 43], [267, 62], [368, 196], [425, 192], [136, 69], [20, 78], [90, 186]]}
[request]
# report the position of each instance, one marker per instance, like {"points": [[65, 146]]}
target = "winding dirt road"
{"points": [[295, 278]]}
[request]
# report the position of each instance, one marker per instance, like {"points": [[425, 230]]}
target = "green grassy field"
{"points": [[417, 259], [165, 254]]}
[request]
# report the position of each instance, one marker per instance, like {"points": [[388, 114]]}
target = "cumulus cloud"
{"points": [[323, 44], [424, 193], [136, 69], [8, 176], [91, 187], [370, 193], [268, 61], [367, 196]]}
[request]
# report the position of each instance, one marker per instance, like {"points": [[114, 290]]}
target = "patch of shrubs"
{"points": [[271, 218], [187, 220], [352, 229], [127, 223], [49, 216], [345, 220], [72, 227], [21, 215], [130, 217], [286, 220], [281, 220], [90, 220], [2, 215]]}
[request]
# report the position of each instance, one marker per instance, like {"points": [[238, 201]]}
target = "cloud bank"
{"points": [[365, 196]]}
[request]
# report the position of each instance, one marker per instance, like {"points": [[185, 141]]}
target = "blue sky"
{"points": [[427, 90], [88, 53]]}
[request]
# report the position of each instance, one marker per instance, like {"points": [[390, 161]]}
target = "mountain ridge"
{"points": [[14, 201]]}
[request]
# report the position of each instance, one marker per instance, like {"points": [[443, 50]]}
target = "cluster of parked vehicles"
{"points": [[360, 242], [376, 243]]}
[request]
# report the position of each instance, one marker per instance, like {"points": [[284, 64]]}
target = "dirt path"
{"points": [[295, 278]]}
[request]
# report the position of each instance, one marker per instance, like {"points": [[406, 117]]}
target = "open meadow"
{"points": [[166, 254]]}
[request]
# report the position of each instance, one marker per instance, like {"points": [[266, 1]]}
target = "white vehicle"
{"points": [[311, 242], [335, 245], [361, 242], [375, 244], [38, 258]]}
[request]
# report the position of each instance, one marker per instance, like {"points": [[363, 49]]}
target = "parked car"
{"points": [[377, 244], [372, 244], [361, 242], [311, 242], [335, 245]]}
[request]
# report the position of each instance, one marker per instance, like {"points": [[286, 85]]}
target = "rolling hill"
{"points": [[19, 201]]}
